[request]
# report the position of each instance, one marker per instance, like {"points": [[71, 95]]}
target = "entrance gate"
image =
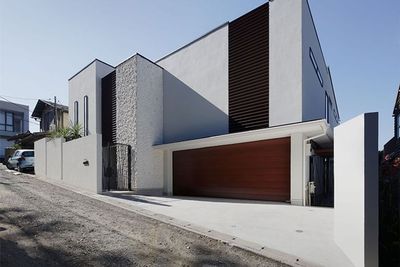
{"points": [[117, 167]]}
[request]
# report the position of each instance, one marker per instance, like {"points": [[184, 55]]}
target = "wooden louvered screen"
{"points": [[108, 109], [248, 71]]}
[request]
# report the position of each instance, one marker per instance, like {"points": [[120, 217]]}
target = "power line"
{"points": [[17, 97], [15, 104], [21, 108]]}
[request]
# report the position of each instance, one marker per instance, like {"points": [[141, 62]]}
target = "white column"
{"points": [[296, 169]]}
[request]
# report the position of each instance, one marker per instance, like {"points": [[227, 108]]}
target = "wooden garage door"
{"points": [[255, 170]]}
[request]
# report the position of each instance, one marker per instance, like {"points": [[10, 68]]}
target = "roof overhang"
{"points": [[319, 129]]}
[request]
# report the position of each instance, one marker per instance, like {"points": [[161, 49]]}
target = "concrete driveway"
{"points": [[304, 234]]}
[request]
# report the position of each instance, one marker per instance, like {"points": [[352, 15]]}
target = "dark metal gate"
{"points": [[117, 167]]}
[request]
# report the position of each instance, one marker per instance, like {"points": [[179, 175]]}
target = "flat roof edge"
{"points": [[194, 41], [250, 136], [98, 60]]}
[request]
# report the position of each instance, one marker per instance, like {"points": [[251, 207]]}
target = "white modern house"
{"points": [[235, 113], [242, 112]]}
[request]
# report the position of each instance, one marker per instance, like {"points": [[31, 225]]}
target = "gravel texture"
{"points": [[45, 225]]}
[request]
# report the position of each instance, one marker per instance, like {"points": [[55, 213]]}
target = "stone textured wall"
{"points": [[126, 95]]}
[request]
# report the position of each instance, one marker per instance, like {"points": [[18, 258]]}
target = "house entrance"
{"points": [[117, 167]]}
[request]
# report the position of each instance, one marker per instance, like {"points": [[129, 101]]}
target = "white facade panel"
{"points": [[196, 88], [88, 83], [149, 127], [314, 91], [285, 62], [356, 189]]}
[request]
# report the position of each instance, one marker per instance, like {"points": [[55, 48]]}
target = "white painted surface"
{"points": [[304, 232], [54, 156], [356, 189], [88, 82], [75, 173], [200, 98], [295, 93], [313, 93], [285, 62], [296, 168], [40, 157], [149, 126]]}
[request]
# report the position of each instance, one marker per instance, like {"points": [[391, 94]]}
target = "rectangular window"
{"points": [[2, 121], [18, 126], [85, 116], [328, 107], [76, 114], [6, 121], [316, 68]]}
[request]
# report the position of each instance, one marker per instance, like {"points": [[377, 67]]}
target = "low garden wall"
{"points": [[77, 163]]}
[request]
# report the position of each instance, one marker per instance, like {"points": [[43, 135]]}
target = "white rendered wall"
{"points": [[75, 173], [54, 157], [356, 189], [149, 127], [88, 82], [313, 93], [40, 157], [296, 168], [196, 88], [285, 62]]}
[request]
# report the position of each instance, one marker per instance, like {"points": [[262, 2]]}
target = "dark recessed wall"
{"points": [[249, 71], [108, 106]]}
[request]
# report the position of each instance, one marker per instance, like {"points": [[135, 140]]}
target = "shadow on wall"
{"points": [[188, 115]]}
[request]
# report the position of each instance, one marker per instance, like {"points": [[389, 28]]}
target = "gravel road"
{"points": [[45, 225]]}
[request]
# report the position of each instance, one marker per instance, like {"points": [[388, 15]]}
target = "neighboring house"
{"points": [[14, 119], [394, 143], [236, 113], [45, 113]]}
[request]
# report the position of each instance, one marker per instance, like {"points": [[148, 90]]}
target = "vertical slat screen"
{"points": [[249, 71], [108, 109]]}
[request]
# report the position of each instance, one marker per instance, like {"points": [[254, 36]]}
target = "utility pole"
{"points": [[55, 112]]}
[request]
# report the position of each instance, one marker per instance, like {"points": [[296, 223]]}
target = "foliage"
{"points": [[68, 133], [16, 146], [389, 210]]}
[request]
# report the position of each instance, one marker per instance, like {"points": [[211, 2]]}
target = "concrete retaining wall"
{"points": [[63, 161], [356, 189], [40, 157], [77, 174], [54, 154]]}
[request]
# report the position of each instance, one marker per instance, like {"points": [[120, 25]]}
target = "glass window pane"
{"points": [[9, 128], [9, 118], [2, 127], [17, 123], [2, 117]]}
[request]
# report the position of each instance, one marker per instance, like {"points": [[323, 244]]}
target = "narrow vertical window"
{"points": [[76, 114], [316, 68], [328, 107], [85, 116]]}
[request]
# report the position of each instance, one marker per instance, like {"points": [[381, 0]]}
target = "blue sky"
{"points": [[45, 42]]}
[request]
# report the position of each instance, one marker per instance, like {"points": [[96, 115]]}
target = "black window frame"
{"points": [[85, 115], [76, 113], [316, 68], [5, 124], [328, 105]]}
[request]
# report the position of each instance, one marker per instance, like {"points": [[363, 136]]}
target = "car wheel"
{"points": [[20, 169], [8, 166]]}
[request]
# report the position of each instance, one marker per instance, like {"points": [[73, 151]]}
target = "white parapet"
{"points": [[356, 189]]}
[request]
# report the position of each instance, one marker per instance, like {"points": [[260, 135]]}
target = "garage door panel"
{"points": [[255, 170]]}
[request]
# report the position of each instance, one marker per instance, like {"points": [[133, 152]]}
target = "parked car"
{"points": [[22, 160]]}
